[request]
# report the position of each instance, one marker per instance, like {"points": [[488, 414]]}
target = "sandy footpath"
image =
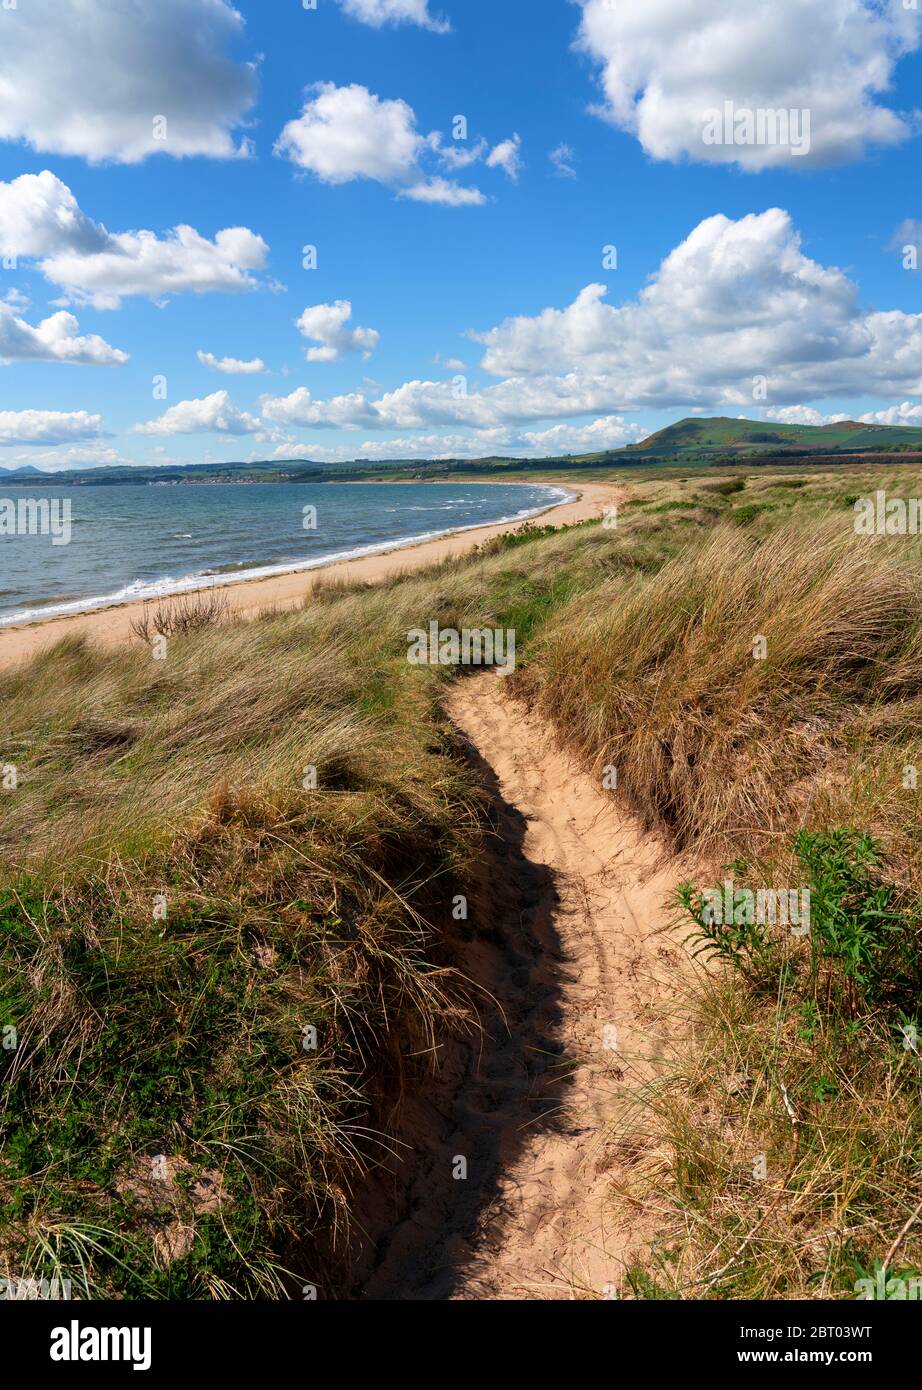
{"points": [[252, 596], [572, 940]]}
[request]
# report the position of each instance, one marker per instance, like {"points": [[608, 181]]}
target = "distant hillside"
{"points": [[724, 435], [719, 440]]}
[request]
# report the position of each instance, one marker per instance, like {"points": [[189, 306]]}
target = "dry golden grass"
{"points": [[660, 677], [287, 907], [813, 1067], [832, 1112], [181, 783]]}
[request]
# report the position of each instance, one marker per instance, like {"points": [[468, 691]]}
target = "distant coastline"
{"points": [[695, 440]]}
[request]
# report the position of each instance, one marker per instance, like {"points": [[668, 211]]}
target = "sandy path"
{"points": [[572, 937], [253, 596]]}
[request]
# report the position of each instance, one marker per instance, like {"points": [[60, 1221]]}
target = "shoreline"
{"points": [[226, 578], [111, 625]]}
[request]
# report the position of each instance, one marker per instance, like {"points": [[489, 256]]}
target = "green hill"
{"points": [[723, 435]]}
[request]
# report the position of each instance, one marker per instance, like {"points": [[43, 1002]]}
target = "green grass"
{"points": [[287, 908], [806, 1058]]}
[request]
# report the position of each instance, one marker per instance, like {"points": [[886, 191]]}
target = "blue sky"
{"points": [[318, 127]]}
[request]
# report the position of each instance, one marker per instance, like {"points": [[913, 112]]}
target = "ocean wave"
{"points": [[169, 586]]}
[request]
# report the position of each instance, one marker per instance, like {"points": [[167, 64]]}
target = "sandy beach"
{"points": [[250, 597]]}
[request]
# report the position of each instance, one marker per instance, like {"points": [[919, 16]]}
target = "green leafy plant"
{"points": [[745, 944], [863, 938], [864, 931]]}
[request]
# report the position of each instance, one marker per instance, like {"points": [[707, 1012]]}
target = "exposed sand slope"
{"points": [[573, 939], [249, 597]]}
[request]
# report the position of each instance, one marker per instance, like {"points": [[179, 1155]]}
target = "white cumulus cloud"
{"points": [[608, 432], [56, 458], [611, 432], [347, 133], [507, 155], [40, 218], [89, 79], [231, 366], [47, 426], [905, 414], [377, 13], [444, 192], [801, 415], [300, 408], [735, 316], [736, 301], [214, 414], [55, 339], [667, 63], [326, 324]]}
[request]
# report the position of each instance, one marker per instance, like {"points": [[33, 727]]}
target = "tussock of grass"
{"points": [[657, 676], [794, 1126], [180, 616], [725, 488], [837, 1187], [183, 1035]]}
